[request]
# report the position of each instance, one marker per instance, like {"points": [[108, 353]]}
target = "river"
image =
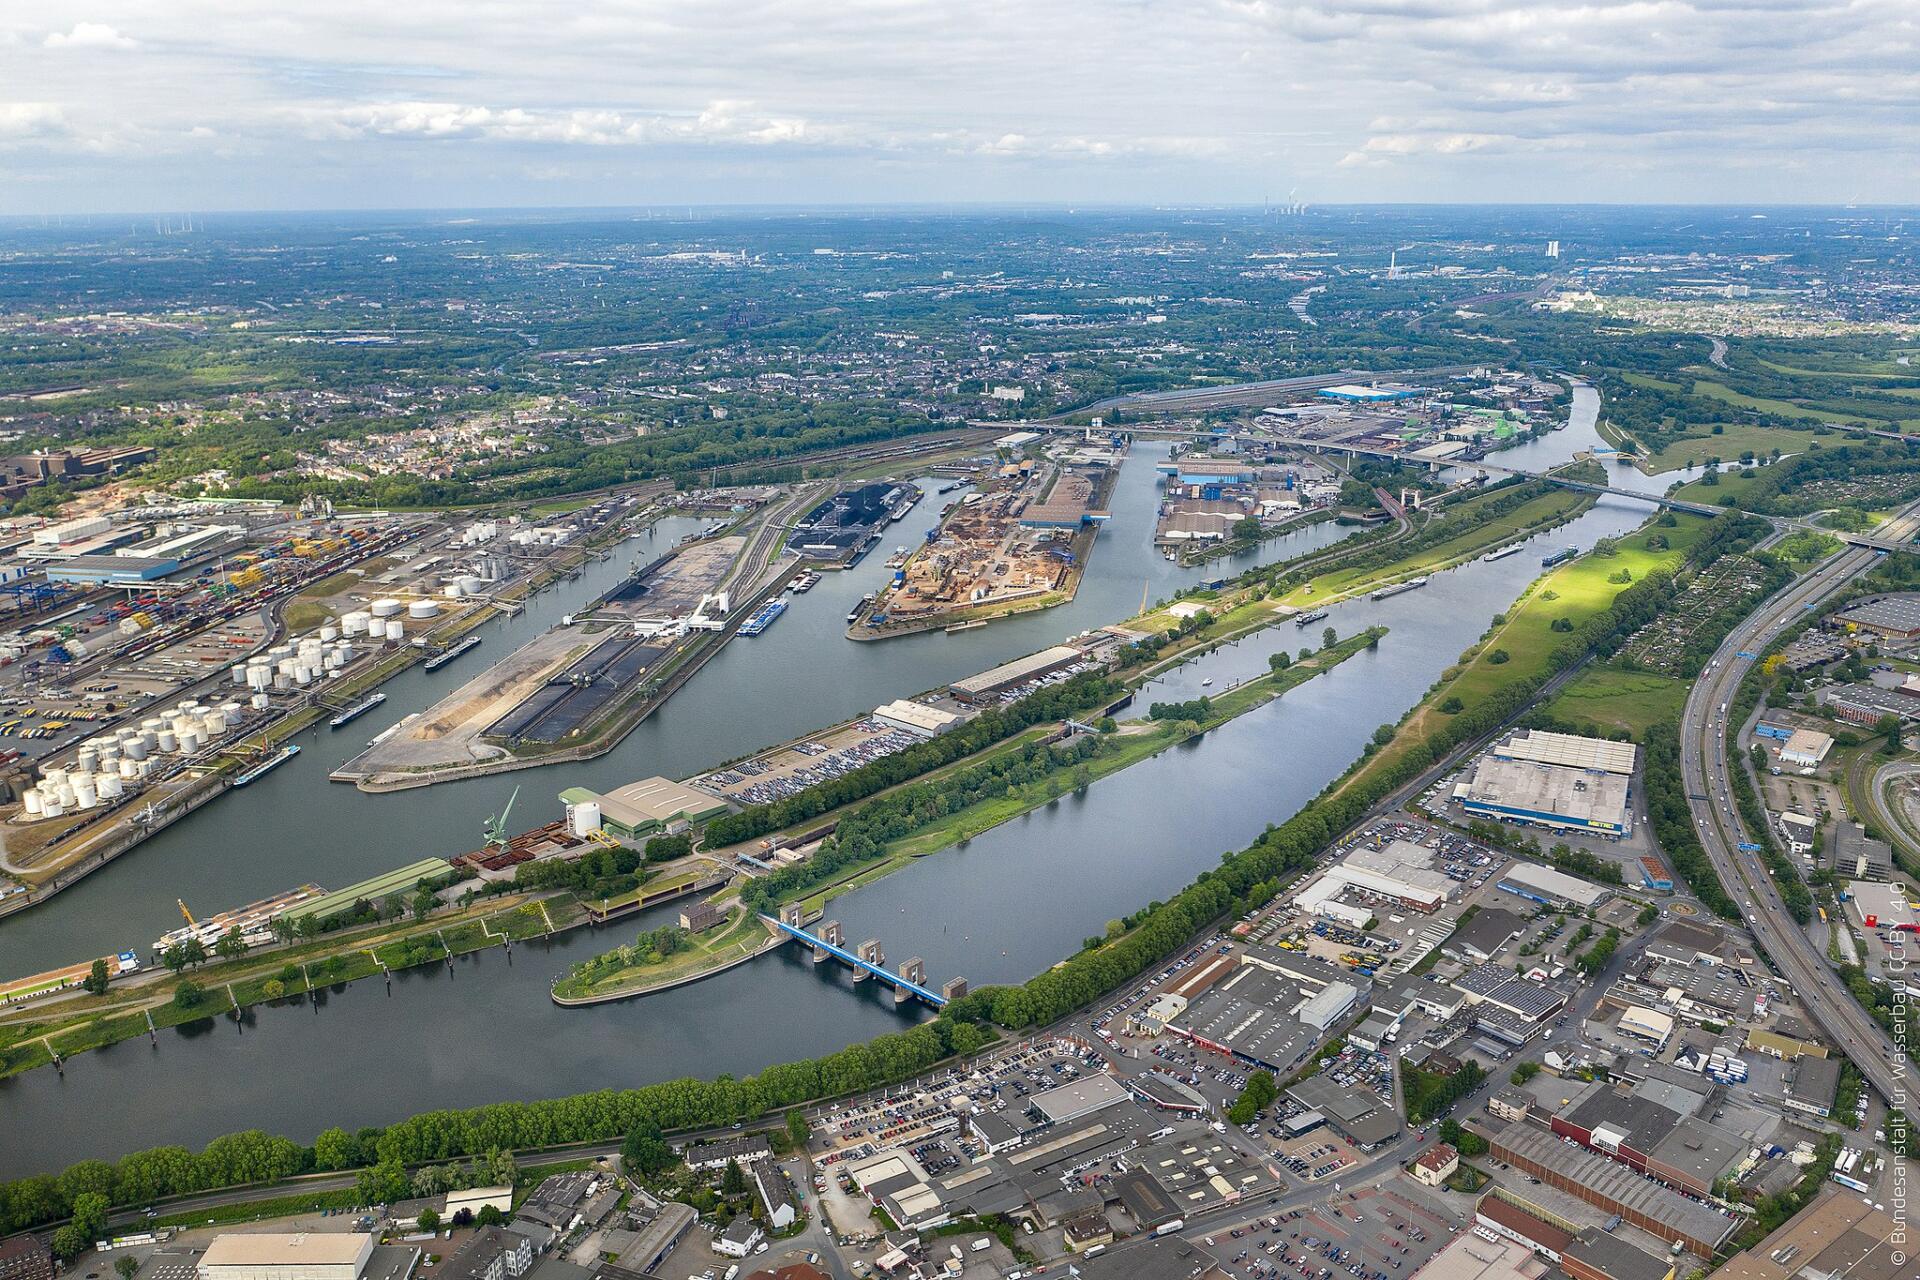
{"points": [[1009, 903]]}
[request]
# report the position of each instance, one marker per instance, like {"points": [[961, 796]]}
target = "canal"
{"points": [[1006, 905]]}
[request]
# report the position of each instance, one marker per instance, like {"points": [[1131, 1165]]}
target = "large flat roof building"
{"points": [[1081, 1098], [1569, 751], [1546, 795], [646, 807], [305, 1255], [1614, 1187], [1896, 616], [1009, 674], [1550, 887], [1837, 1236]]}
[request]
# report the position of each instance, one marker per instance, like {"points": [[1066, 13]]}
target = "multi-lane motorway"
{"points": [[1705, 767]]}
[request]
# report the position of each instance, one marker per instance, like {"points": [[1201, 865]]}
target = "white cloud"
{"points": [[982, 99], [89, 35], [21, 121]]}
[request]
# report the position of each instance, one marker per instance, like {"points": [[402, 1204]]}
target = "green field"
{"points": [[1735, 438], [1548, 508], [1575, 592], [1610, 699]]}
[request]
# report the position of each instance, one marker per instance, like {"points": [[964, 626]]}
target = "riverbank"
{"points": [[53, 1030], [1127, 744]]}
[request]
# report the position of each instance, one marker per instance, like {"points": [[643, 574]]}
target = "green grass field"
{"points": [[1574, 591], [1734, 439], [1546, 509], [1611, 699]]}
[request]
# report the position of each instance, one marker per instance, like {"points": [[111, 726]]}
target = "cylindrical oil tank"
{"points": [[32, 803], [329, 633], [53, 809], [110, 787], [130, 769], [168, 742], [240, 673], [396, 631], [423, 609], [386, 607], [259, 702]]}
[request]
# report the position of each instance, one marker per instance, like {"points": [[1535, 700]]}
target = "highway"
{"points": [[1705, 767]]}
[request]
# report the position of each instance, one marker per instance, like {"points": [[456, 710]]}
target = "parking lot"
{"points": [[1367, 1234]]}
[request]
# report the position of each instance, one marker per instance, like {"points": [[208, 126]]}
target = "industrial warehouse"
{"points": [[1553, 780]]}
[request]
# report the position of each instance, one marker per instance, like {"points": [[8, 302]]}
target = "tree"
{"points": [[463, 1216], [189, 995], [1889, 727], [174, 957], [422, 903], [797, 1129], [489, 1216], [95, 982], [1329, 638], [1278, 661], [1499, 656], [1452, 705], [126, 1265], [383, 1183], [337, 1149], [230, 946], [645, 1151], [734, 1181], [429, 1220]]}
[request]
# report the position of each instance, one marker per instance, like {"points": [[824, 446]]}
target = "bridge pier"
{"points": [[954, 989], [915, 973], [833, 936], [868, 951]]}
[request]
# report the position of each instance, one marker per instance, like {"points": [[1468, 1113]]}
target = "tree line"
{"points": [[1055, 702]]}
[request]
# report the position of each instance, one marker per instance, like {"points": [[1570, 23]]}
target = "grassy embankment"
{"points": [[1133, 742], [1520, 644], [1556, 507], [29, 1038]]}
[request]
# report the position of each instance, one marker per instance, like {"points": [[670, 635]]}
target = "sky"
{"points": [[207, 105]]}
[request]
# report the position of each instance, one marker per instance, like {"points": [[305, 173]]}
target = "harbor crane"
{"points": [[494, 830]]}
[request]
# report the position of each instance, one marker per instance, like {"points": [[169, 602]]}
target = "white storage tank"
{"points": [[259, 702], [87, 760], [240, 673], [583, 819], [386, 607], [52, 809], [168, 743], [130, 769], [54, 776], [423, 609], [346, 652], [396, 632], [110, 787], [31, 802], [329, 633]]}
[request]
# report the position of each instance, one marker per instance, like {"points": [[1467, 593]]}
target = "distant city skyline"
{"points": [[211, 105]]}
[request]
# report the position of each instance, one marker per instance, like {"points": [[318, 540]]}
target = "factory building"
{"points": [[916, 718], [1379, 393], [1805, 749], [1838, 1236], [1008, 675], [1858, 856], [1613, 1187], [1551, 888], [1896, 617], [1813, 1085], [638, 810], [1867, 704], [317, 1255], [1402, 874], [1569, 751], [1545, 795]]}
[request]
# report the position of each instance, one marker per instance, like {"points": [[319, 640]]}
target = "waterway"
{"points": [[1006, 905]]}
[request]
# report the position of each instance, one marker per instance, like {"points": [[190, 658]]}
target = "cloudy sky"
{"points": [[292, 104]]}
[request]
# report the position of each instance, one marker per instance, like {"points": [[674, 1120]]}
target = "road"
{"points": [[1705, 768]]}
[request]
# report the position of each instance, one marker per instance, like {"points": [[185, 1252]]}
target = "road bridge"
{"points": [[866, 961]]}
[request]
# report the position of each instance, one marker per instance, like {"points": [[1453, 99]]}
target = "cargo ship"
{"points": [[1561, 556], [1399, 588], [357, 710], [763, 617], [445, 656], [254, 921], [267, 766], [900, 502], [1307, 619], [853, 614], [805, 583], [1503, 552]]}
